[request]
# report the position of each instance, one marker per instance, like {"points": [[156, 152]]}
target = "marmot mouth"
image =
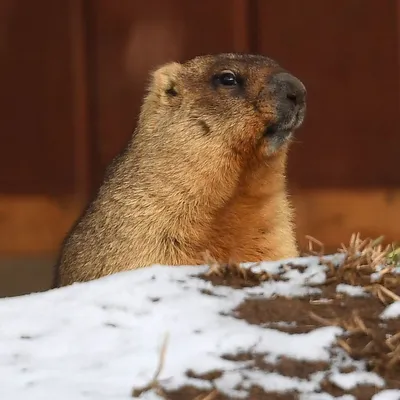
{"points": [[271, 130], [281, 130], [284, 128]]}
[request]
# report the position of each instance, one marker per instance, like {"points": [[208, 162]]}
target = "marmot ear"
{"points": [[164, 80]]}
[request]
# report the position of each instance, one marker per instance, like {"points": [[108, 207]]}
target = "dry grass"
{"points": [[381, 353], [154, 384], [368, 264], [236, 270], [210, 396], [311, 243], [233, 274]]}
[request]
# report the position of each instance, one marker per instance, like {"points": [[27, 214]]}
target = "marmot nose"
{"points": [[288, 86]]}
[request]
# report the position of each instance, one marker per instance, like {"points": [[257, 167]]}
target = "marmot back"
{"points": [[204, 171]]}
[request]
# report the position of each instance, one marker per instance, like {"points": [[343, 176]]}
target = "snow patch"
{"points": [[352, 379], [99, 339], [391, 394], [391, 311], [350, 290]]}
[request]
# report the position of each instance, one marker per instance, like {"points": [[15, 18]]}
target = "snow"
{"points": [[352, 379], [391, 394], [391, 311], [277, 383], [350, 290], [326, 396], [100, 339]]}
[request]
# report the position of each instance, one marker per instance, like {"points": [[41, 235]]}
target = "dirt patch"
{"points": [[366, 337], [255, 393], [266, 311], [298, 267], [209, 376], [235, 276], [364, 392], [284, 365]]}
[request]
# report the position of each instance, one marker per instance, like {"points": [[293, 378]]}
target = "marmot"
{"points": [[204, 171]]}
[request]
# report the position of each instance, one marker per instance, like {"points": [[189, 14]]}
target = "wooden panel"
{"points": [[346, 52], [37, 121], [131, 37], [43, 152], [331, 216]]}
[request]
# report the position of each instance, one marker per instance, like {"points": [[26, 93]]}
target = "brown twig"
{"points": [[154, 383], [210, 396], [311, 241]]}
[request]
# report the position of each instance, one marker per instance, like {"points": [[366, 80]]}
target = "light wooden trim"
{"points": [[331, 216], [37, 224], [32, 225]]}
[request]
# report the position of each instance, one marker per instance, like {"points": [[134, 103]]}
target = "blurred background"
{"points": [[72, 75]]}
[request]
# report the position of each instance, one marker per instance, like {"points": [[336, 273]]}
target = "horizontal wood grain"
{"points": [[37, 224], [331, 216]]}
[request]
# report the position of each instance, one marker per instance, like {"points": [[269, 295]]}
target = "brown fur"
{"points": [[198, 175]]}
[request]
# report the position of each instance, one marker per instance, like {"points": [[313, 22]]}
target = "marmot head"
{"points": [[240, 101]]}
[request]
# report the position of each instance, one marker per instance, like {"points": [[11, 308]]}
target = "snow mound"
{"points": [[100, 339]]}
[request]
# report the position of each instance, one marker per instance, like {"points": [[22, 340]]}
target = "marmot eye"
{"points": [[227, 78]]}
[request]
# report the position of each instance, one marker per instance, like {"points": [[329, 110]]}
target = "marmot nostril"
{"points": [[292, 97], [289, 86], [295, 91]]}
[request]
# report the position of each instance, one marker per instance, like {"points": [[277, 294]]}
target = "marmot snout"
{"points": [[204, 171]]}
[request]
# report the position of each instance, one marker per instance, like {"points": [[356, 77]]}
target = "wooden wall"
{"points": [[72, 74]]}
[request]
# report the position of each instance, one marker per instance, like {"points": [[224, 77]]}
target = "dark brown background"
{"points": [[72, 74]]}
